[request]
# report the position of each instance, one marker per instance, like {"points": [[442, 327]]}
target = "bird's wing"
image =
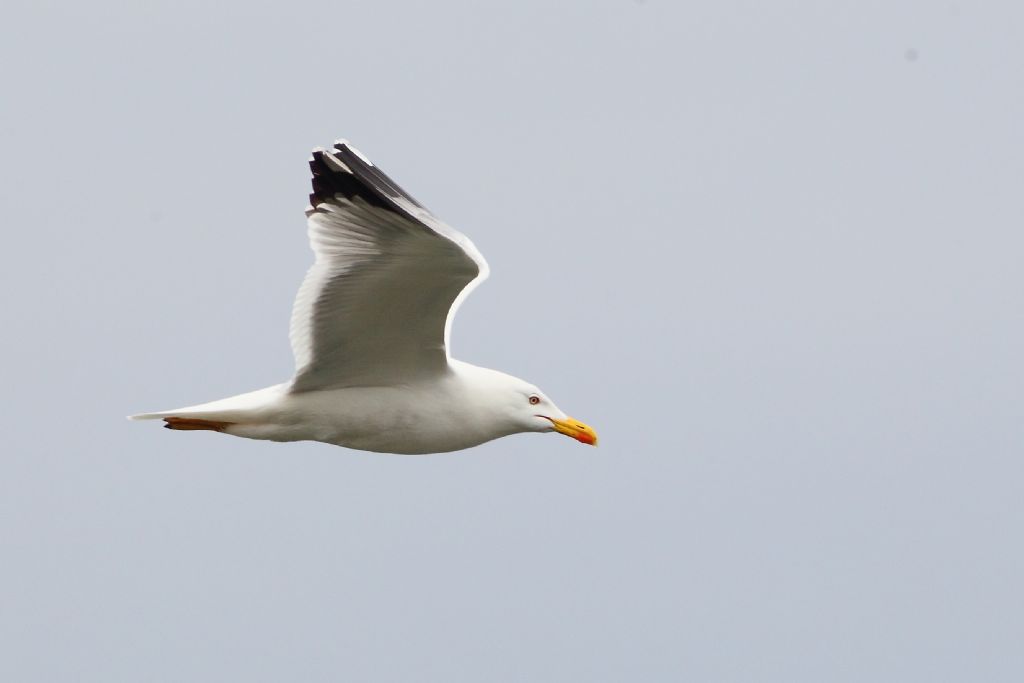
{"points": [[375, 308]]}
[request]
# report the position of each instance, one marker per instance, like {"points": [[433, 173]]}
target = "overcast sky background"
{"points": [[773, 254]]}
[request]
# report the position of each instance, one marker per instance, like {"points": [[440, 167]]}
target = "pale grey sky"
{"points": [[771, 251]]}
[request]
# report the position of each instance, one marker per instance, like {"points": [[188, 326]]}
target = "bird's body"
{"points": [[370, 333], [446, 414]]}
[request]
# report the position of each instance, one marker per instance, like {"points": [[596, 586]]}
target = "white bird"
{"points": [[370, 333]]}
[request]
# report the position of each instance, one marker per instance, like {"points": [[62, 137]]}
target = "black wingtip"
{"points": [[369, 174], [332, 177]]}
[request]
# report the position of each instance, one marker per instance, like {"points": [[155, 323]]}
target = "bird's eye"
{"points": [[534, 400]]}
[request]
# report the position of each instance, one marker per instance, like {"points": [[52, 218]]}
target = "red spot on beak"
{"points": [[583, 437]]}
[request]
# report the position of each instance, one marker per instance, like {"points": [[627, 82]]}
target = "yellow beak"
{"points": [[576, 429]]}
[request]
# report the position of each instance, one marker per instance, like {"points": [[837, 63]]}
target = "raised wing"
{"points": [[375, 308]]}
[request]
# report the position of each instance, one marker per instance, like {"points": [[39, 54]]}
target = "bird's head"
{"points": [[530, 410]]}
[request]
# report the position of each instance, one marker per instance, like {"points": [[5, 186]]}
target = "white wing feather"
{"points": [[375, 308]]}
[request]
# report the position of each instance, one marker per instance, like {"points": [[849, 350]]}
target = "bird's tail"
{"points": [[217, 415], [172, 421]]}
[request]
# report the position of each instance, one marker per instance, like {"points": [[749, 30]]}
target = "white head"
{"points": [[518, 406]]}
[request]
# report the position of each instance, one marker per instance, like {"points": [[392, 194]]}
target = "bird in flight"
{"points": [[370, 333]]}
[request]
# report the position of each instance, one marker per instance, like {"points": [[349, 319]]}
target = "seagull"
{"points": [[370, 331]]}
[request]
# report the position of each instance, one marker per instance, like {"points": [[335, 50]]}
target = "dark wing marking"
{"points": [[358, 178]]}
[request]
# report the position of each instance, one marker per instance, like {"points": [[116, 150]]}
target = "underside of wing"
{"points": [[375, 307]]}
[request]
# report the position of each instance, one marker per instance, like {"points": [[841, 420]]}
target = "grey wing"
{"points": [[375, 308]]}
